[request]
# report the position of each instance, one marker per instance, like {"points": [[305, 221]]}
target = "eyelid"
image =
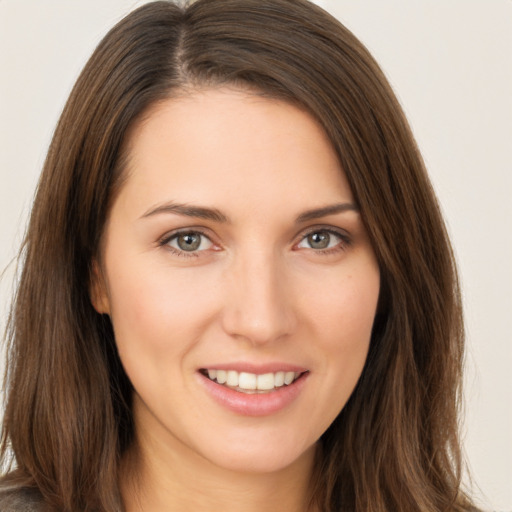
{"points": [[169, 236], [346, 239]]}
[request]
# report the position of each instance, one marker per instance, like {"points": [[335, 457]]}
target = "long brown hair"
{"points": [[394, 447]]}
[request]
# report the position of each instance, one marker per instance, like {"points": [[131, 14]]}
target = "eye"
{"points": [[322, 240], [188, 242]]}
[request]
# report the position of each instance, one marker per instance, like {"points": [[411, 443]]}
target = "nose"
{"points": [[259, 300]]}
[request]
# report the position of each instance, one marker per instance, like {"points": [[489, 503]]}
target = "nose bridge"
{"points": [[258, 303]]}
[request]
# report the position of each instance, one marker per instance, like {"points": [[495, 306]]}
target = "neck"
{"points": [[168, 476]]}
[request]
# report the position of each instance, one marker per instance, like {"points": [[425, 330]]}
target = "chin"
{"points": [[255, 457]]}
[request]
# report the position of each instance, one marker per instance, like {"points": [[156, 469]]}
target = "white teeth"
{"points": [[232, 379], [289, 377], [247, 381], [266, 381], [252, 381]]}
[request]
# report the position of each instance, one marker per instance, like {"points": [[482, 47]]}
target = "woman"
{"points": [[247, 298]]}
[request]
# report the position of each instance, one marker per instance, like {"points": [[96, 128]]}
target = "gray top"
{"points": [[14, 499]]}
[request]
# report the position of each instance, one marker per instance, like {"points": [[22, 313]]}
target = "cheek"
{"points": [[344, 307], [342, 319], [157, 311], [341, 309], [158, 321]]}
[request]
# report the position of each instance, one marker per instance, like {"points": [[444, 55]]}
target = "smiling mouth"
{"points": [[252, 383]]}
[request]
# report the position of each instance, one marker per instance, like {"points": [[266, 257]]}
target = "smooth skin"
{"points": [[235, 238]]}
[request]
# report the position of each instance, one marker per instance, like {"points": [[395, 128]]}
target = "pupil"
{"points": [[319, 240], [189, 242]]}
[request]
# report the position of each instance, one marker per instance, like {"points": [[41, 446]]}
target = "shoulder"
{"points": [[15, 499]]}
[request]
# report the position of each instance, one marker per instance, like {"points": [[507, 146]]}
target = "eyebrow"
{"points": [[186, 210], [326, 210], [201, 212]]}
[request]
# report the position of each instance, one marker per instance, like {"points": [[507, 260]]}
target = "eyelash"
{"points": [[342, 245], [165, 241]]}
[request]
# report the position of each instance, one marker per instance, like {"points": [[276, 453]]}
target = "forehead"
{"points": [[228, 145]]}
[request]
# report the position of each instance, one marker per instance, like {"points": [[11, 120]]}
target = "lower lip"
{"points": [[256, 404]]}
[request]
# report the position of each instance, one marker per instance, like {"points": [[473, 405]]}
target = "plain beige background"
{"points": [[450, 63]]}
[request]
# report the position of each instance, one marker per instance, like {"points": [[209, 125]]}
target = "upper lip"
{"points": [[258, 369]]}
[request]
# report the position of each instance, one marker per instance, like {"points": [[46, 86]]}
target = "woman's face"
{"points": [[239, 278]]}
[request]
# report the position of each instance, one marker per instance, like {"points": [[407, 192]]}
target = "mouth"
{"points": [[252, 383]]}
